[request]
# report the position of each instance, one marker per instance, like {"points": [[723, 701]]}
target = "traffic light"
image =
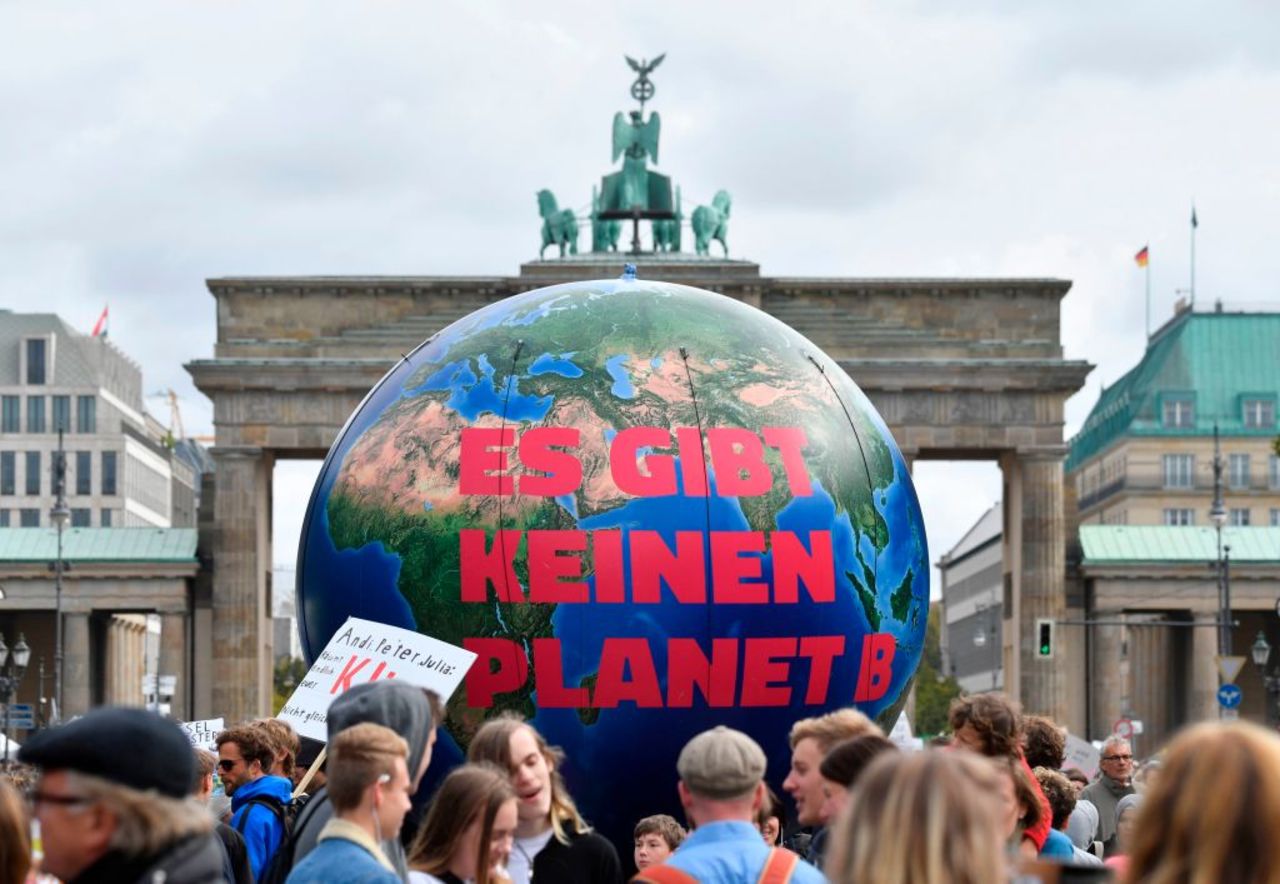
{"points": [[1044, 639]]}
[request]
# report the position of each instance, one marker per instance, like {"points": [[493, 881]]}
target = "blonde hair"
{"points": [[920, 818], [15, 837], [492, 743], [1210, 816], [358, 756], [146, 822], [834, 727]]}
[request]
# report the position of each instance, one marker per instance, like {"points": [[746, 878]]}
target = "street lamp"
{"points": [[61, 516], [12, 677], [1261, 652], [1218, 515]]}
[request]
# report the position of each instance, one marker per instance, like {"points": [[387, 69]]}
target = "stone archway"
{"points": [[959, 368]]}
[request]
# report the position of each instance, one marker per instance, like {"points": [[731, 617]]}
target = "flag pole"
{"points": [[1147, 268], [1194, 225]]}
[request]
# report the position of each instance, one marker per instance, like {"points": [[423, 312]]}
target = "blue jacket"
{"points": [[259, 824], [336, 860], [731, 852]]}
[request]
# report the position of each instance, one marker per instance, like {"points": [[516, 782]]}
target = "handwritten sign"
{"points": [[203, 733], [1082, 756], [363, 651]]}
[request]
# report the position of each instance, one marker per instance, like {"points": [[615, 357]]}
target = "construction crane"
{"points": [[176, 432]]}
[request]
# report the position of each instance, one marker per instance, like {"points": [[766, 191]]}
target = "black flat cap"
{"points": [[132, 747]]}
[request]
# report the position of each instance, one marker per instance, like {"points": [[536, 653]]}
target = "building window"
{"points": [[1179, 516], [1275, 517], [84, 472], [37, 351], [29, 518], [62, 414], [106, 518], [12, 408], [1178, 469], [1259, 414], [86, 414], [80, 518], [4, 518], [1238, 517], [1179, 413], [1238, 471], [1275, 471], [108, 472], [33, 472], [8, 472], [35, 414]]}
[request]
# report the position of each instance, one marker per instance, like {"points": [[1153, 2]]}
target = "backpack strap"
{"points": [[779, 867], [266, 801], [663, 874]]}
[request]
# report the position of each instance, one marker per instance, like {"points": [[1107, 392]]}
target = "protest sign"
{"points": [[203, 733], [902, 737], [1081, 755], [362, 651]]}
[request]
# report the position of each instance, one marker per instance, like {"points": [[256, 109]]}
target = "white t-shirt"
{"points": [[523, 850], [423, 878]]}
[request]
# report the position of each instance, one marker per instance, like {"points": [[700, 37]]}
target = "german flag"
{"points": [[1141, 258]]}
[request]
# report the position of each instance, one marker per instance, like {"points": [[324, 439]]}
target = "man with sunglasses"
{"points": [[258, 799], [1115, 782], [106, 816]]}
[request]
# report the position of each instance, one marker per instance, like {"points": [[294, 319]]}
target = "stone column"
{"points": [[1202, 704], [173, 659], [241, 555], [75, 663], [1110, 684], [1043, 567]]}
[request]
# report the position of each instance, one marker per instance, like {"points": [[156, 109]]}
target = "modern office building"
{"points": [[972, 587], [122, 470]]}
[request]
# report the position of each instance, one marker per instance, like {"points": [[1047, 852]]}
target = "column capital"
{"points": [[228, 452], [1043, 453]]}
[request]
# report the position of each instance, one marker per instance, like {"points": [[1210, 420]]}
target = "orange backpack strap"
{"points": [[663, 874], [780, 866]]}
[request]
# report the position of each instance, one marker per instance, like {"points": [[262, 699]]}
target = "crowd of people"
{"points": [[121, 795]]}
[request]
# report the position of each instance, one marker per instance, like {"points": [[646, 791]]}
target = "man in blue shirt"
{"points": [[722, 787], [258, 800]]}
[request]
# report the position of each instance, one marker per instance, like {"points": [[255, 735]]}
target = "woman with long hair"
{"points": [[1019, 802], [553, 843], [1211, 815], [920, 818], [15, 840], [467, 834]]}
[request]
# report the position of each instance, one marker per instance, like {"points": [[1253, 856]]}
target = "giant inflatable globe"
{"points": [[649, 509]]}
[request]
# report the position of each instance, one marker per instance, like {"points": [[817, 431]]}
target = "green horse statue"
{"points": [[712, 222], [559, 227], [666, 232], [604, 234]]}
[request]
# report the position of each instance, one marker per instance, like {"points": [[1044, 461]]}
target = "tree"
{"points": [[934, 689], [289, 671]]}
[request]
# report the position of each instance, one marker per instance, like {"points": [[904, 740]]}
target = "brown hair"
{"points": [[1044, 742], [920, 818], [285, 740], [206, 761], [847, 760], [492, 743], [827, 730], [252, 741], [15, 836], [1210, 816], [663, 826], [1061, 794], [1076, 775], [995, 717], [358, 757], [467, 792], [1025, 790]]}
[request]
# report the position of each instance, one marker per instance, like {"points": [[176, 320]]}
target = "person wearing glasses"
{"points": [[108, 814], [1115, 782], [258, 799]]}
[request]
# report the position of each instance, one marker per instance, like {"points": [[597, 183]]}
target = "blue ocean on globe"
{"points": [[380, 541]]}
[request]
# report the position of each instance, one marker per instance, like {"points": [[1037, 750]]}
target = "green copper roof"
{"points": [[99, 545], [1213, 360], [1134, 544]]}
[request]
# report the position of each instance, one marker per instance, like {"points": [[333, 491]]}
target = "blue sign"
{"points": [[1229, 696]]}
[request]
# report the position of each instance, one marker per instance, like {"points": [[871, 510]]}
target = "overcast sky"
{"points": [[148, 146]]}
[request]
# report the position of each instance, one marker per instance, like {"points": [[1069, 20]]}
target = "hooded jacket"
{"points": [[193, 860], [258, 823], [397, 705]]}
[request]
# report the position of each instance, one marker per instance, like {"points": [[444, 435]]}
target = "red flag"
{"points": [[1141, 257], [100, 327]]}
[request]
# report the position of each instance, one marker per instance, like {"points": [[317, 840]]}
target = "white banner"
{"points": [[1082, 756], [203, 733], [363, 651]]}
